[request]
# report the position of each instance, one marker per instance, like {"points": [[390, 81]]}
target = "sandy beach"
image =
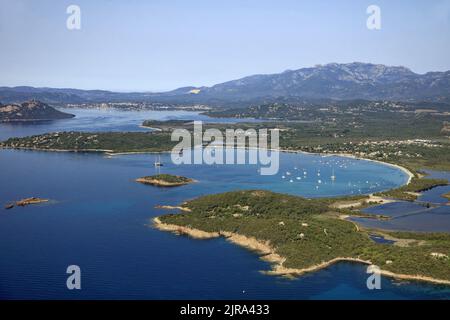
{"points": [[173, 208], [358, 203]]}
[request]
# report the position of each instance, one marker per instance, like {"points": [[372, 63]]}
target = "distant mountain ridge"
{"points": [[340, 82], [54, 95], [332, 81]]}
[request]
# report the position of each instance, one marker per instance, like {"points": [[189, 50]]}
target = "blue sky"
{"points": [[161, 45]]}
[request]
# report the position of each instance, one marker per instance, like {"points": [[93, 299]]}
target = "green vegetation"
{"points": [[99, 141], [412, 135], [170, 178], [327, 110], [308, 232], [413, 141], [408, 192]]}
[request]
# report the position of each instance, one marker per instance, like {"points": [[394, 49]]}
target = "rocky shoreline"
{"points": [[25, 202], [268, 253]]}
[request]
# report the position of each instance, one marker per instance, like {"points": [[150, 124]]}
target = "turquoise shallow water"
{"points": [[100, 220]]}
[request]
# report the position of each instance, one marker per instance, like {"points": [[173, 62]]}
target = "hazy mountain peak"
{"points": [[339, 81], [356, 80]]}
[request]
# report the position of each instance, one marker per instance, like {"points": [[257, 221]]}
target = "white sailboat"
{"points": [[158, 163], [333, 177]]}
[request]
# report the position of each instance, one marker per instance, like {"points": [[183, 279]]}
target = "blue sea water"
{"points": [[381, 239], [100, 219]]}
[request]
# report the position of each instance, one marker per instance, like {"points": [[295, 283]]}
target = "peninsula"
{"points": [[299, 235]]}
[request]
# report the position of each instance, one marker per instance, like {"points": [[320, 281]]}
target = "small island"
{"points": [[25, 202], [165, 180]]}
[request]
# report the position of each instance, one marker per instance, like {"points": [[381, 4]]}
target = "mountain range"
{"points": [[331, 81]]}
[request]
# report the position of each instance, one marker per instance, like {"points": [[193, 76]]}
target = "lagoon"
{"points": [[430, 213]]}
